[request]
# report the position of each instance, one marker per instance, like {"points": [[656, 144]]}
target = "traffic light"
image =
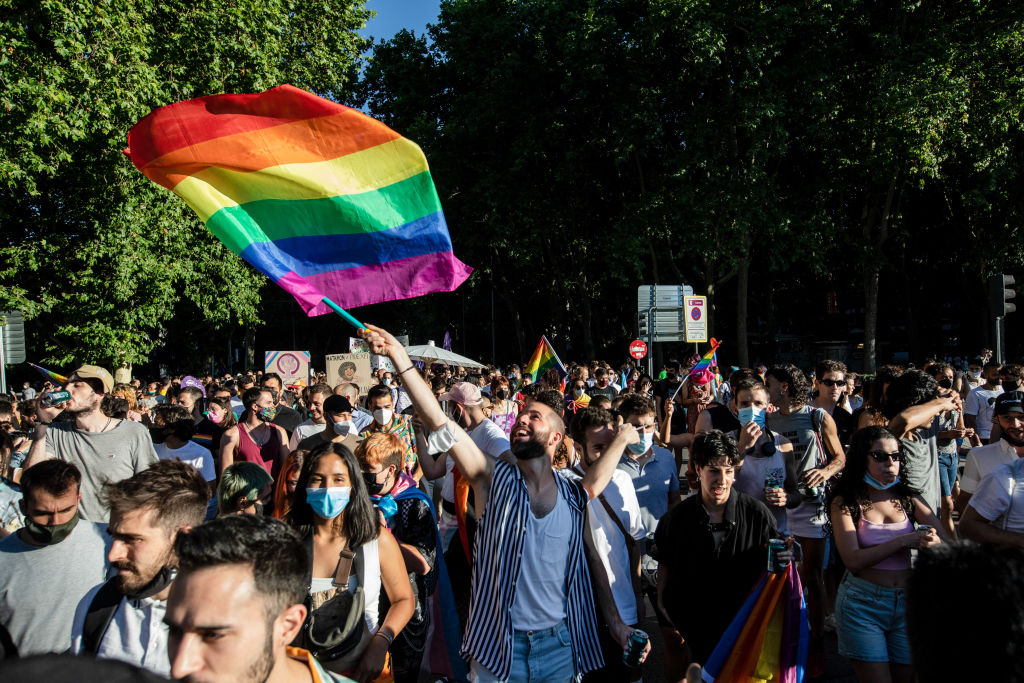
{"points": [[1000, 291], [642, 323]]}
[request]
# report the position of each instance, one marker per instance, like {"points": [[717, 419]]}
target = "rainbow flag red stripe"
{"points": [[543, 359], [709, 359], [320, 198]]}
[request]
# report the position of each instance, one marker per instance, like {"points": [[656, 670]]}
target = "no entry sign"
{"points": [[638, 349]]}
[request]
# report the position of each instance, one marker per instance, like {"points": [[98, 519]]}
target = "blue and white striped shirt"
{"points": [[497, 561]]}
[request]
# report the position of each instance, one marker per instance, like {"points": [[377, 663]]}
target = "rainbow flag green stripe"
{"points": [[269, 220], [322, 199], [543, 359]]}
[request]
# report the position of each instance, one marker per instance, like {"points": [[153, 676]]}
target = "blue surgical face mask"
{"points": [[646, 441], [875, 484], [330, 502], [751, 414]]}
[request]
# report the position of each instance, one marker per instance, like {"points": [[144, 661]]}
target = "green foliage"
{"points": [[97, 254]]}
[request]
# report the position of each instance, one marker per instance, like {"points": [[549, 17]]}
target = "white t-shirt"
{"points": [[608, 541], [540, 589], [307, 428], [489, 438], [136, 634], [753, 477], [1000, 497], [191, 453], [982, 460], [980, 403]]}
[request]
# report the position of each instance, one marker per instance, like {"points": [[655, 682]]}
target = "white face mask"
{"points": [[383, 416], [975, 374], [345, 428]]}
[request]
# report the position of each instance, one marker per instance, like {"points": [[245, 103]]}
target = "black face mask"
{"points": [[1011, 385], [501, 394], [373, 486], [528, 450]]}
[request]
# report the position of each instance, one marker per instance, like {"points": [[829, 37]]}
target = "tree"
{"points": [[94, 252]]}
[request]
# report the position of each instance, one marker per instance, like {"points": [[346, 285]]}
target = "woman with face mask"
{"points": [[503, 408], [873, 516], [332, 510]]}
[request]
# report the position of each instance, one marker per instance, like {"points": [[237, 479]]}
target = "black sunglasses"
{"points": [[884, 456], [833, 382]]}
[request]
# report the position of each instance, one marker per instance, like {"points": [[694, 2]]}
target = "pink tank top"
{"points": [[267, 456], [870, 534]]}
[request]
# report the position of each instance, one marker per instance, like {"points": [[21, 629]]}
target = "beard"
{"points": [[528, 450], [135, 580]]}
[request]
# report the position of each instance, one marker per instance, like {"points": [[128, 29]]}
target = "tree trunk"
{"points": [[871, 274], [742, 284]]}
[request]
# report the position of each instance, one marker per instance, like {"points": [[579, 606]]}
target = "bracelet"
{"points": [[385, 636], [402, 372]]}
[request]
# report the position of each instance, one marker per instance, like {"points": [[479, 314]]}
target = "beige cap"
{"points": [[95, 372]]}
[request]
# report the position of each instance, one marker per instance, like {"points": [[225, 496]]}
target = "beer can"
{"points": [[53, 398], [775, 546], [924, 528], [635, 647]]}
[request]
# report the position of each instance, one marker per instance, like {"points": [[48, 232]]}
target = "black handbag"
{"points": [[335, 628]]}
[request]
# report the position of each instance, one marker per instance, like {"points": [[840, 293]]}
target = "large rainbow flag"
{"points": [[543, 359], [322, 199], [768, 638]]}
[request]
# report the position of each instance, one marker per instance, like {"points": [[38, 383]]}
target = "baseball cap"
{"points": [[1009, 402], [95, 372], [336, 403], [463, 393]]}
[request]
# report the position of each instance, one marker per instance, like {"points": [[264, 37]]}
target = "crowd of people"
{"points": [[454, 525]]}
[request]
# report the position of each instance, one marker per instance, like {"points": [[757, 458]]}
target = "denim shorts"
{"points": [[948, 464], [544, 655], [871, 622]]}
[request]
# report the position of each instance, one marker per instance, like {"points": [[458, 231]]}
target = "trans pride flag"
{"points": [[322, 199]]}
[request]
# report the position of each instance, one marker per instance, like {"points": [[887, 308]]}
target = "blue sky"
{"points": [[394, 15]]}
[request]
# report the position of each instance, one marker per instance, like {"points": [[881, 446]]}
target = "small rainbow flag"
{"points": [[543, 359], [203, 439], [709, 359], [49, 374], [322, 199]]}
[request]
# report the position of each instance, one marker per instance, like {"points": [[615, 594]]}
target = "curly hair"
{"points": [[912, 388], [709, 447], [795, 380], [635, 404], [851, 488]]}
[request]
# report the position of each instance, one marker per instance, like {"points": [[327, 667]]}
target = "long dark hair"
{"points": [[358, 521], [852, 488]]}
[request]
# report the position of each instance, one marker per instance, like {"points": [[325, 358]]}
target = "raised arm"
{"points": [[920, 415], [473, 464], [600, 473]]}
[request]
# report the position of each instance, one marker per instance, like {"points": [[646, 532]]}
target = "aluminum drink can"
{"points": [[924, 528], [775, 546], [53, 398], [634, 648]]}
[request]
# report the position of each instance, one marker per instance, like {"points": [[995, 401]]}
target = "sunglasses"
{"points": [[833, 382], [883, 456]]}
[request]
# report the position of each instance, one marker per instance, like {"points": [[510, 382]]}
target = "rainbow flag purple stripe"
{"points": [[320, 198]]}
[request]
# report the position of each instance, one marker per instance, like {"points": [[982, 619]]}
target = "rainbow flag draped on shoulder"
{"points": [[543, 359], [322, 199]]}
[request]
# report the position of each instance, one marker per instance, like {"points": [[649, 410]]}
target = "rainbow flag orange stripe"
{"points": [[320, 198], [543, 359]]}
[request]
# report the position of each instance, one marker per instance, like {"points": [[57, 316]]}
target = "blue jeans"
{"points": [[948, 464], [537, 657], [871, 622]]}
